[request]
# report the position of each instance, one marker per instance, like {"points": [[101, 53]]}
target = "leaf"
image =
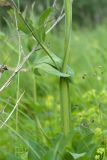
{"points": [[36, 72], [22, 26], [51, 70], [20, 21], [40, 32], [44, 16], [76, 155], [46, 64], [67, 156], [24, 14], [48, 155], [38, 150]]}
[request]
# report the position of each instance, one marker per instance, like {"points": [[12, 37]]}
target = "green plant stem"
{"points": [[47, 51], [18, 82], [64, 84], [65, 108], [35, 89]]}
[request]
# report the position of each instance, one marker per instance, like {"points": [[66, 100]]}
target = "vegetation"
{"points": [[53, 96], [85, 12]]}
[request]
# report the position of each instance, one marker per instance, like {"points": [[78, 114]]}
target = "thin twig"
{"points": [[10, 69], [54, 3], [56, 22], [12, 111], [18, 68], [2, 111], [61, 16]]}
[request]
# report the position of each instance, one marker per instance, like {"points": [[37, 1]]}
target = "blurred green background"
{"points": [[85, 12]]}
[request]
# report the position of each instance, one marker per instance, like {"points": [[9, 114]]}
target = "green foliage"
{"points": [[85, 12], [89, 102], [39, 135], [46, 64]]}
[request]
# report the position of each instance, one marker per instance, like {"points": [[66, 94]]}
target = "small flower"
{"points": [[98, 132], [92, 110], [49, 100], [97, 157], [90, 95], [100, 151]]}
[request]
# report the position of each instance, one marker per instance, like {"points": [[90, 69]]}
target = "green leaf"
{"points": [[47, 65], [51, 70], [44, 16], [67, 156], [36, 72], [77, 156], [40, 32], [48, 155], [38, 150], [21, 25]]}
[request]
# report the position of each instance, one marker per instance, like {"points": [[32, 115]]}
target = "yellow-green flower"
{"points": [[92, 110], [49, 101], [100, 151], [97, 157], [90, 95], [98, 132]]}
